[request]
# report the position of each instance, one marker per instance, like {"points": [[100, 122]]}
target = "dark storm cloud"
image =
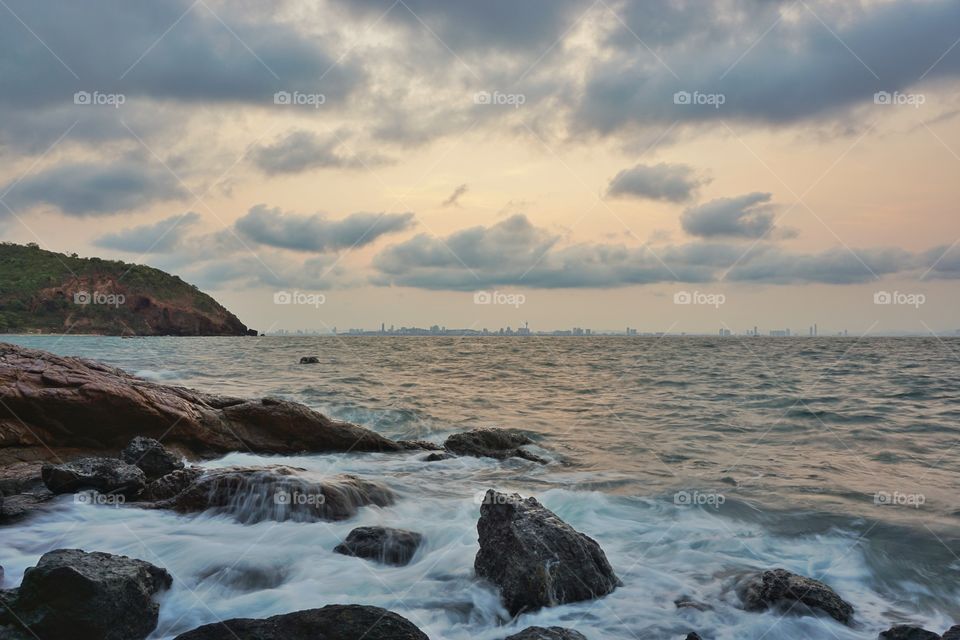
{"points": [[838, 265], [316, 233], [669, 182], [302, 150], [159, 237], [747, 216], [95, 188]]}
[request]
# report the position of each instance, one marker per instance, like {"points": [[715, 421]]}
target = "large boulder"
{"points": [[908, 632], [106, 475], [535, 558], [547, 633], [491, 443], [780, 588], [383, 544], [73, 594], [253, 494], [151, 457], [333, 622], [50, 404]]}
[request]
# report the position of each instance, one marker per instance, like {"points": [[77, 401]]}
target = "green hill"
{"points": [[47, 292]]}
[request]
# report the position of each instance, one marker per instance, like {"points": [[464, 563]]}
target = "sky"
{"points": [[667, 165]]}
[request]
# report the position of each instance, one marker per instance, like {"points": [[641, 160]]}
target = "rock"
{"points": [[171, 485], [309, 360], [24, 491], [51, 404], [491, 443], [106, 475], [686, 602], [547, 633], [907, 632], [953, 633], [419, 445], [17, 507], [390, 546], [535, 558], [151, 457], [779, 588], [277, 493], [333, 622], [74, 594], [693, 635], [437, 457]]}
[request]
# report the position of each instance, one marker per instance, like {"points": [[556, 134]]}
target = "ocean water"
{"points": [[690, 460]]}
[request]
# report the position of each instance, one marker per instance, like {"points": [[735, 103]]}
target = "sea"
{"points": [[691, 460]]}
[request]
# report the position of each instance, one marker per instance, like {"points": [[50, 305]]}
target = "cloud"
{"points": [[95, 188], [159, 237], [302, 150], [747, 216], [838, 265], [275, 228], [453, 200], [668, 182]]}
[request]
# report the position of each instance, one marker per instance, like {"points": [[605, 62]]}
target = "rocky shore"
{"points": [[74, 426]]}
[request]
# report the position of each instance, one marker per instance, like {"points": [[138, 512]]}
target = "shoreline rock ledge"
{"points": [[535, 558]]}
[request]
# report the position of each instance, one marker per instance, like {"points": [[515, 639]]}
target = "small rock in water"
{"points": [[390, 546], [547, 633], [693, 635], [686, 602], [106, 475], [335, 621], [766, 589], [908, 632], [74, 594], [537, 559], [309, 360], [437, 457], [491, 443], [953, 633], [151, 457]]}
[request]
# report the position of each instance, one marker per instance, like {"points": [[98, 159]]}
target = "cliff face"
{"points": [[43, 291]]}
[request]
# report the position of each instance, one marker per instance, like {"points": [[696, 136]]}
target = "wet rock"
{"points": [[781, 588], [74, 594], [686, 602], [693, 635], [309, 360], [419, 445], [437, 457], [17, 507], [535, 558], [277, 493], [151, 457], [953, 633], [390, 546], [908, 632], [106, 475], [333, 622], [171, 485], [547, 633], [491, 443]]}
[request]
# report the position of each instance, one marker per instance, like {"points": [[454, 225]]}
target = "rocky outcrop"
{"points": [[309, 360], [106, 475], [171, 485], [535, 558], [51, 406], [333, 622], [491, 443], [780, 588], [73, 594], [953, 633], [151, 457], [547, 633], [383, 544], [908, 632]]}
